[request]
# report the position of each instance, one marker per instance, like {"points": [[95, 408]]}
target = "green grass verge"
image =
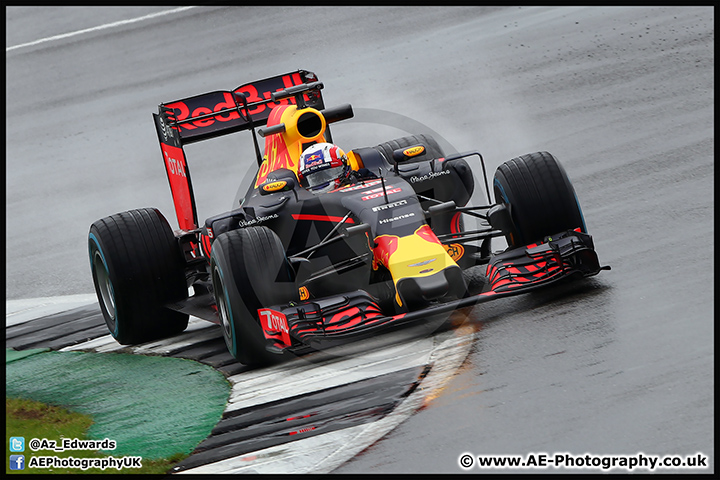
{"points": [[30, 419]]}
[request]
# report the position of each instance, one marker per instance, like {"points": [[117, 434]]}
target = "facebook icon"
{"points": [[17, 462]]}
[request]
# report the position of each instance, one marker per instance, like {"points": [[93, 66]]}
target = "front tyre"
{"points": [[249, 271], [541, 198], [137, 268]]}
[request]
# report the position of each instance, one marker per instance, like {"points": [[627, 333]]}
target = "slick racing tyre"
{"points": [[249, 271], [137, 268], [541, 198]]}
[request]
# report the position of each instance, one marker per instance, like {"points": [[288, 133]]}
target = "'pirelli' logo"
{"points": [[389, 205]]}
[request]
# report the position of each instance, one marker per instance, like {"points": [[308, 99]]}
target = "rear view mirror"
{"points": [[357, 229], [404, 154]]}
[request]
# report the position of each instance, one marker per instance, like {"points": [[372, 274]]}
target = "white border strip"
{"points": [[26, 309], [101, 27]]}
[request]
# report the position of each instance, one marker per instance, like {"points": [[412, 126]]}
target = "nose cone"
{"points": [[416, 292]]}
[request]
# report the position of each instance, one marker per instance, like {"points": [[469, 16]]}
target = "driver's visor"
{"points": [[323, 176]]}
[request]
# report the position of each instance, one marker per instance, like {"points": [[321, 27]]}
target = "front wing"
{"points": [[338, 319]]}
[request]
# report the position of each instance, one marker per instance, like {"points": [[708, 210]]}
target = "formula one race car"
{"points": [[290, 269]]}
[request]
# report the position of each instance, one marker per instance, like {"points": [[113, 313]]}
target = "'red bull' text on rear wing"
{"points": [[212, 114]]}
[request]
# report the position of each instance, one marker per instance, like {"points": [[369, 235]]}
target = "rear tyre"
{"points": [[249, 271], [137, 268], [541, 198]]}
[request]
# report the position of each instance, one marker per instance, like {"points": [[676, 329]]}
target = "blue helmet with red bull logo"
{"points": [[323, 167]]}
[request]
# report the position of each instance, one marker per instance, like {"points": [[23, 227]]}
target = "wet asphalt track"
{"points": [[622, 96]]}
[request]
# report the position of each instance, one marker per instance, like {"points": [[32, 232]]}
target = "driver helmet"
{"points": [[323, 166]]}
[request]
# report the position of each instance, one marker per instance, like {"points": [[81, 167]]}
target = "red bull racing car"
{"points": [[295, 267]]}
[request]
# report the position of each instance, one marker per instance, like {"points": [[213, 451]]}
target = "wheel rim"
{"points": [[104, 285], [221, 302]]}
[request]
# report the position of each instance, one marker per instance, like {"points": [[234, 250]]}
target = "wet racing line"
{"points": [[307, 415]]}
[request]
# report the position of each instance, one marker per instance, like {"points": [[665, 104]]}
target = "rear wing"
{"points": [[212, 114], [222, 112]]}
